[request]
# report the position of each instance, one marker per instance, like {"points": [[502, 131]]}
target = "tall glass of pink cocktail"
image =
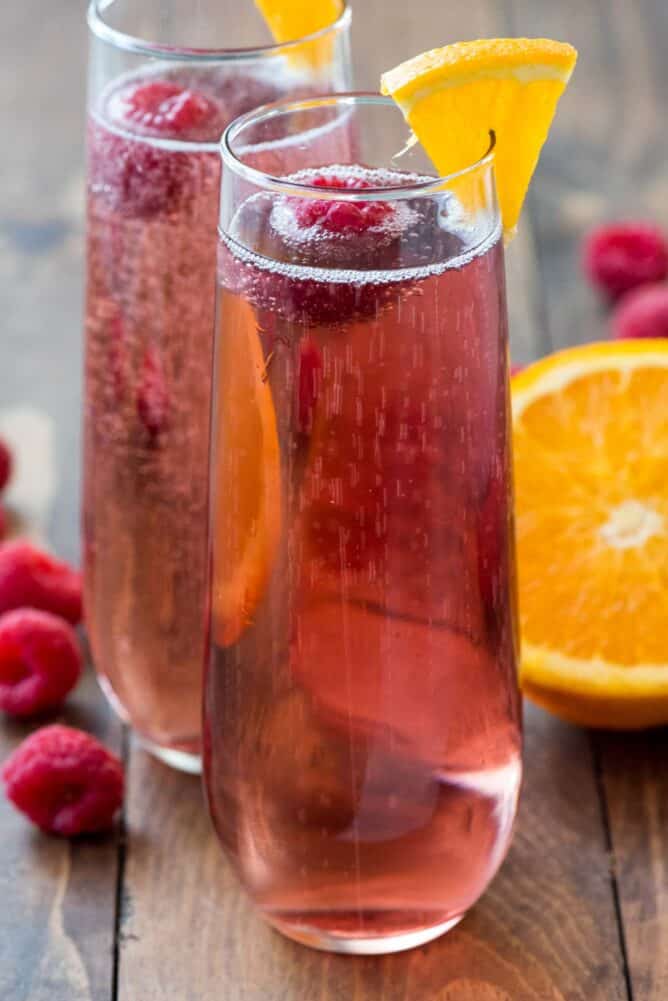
{"points": [[362, 719], [165, 80]]}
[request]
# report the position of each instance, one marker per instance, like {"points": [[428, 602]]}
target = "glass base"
{"points": [[182, 761], [370, 945]]}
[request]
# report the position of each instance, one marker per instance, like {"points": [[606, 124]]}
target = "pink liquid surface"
{"points": [[362, 741], [153, 191]]}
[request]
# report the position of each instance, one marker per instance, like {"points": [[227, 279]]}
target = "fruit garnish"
{"points": [[152, 394], [32, 578], [642, 313], [5, 464], [65, 781], [453, 97], [309, 377], [289, 20], [247, 515], [619, 257], [40, 661], [162, 107], [135, 179], [591, 472], [341, 217]]}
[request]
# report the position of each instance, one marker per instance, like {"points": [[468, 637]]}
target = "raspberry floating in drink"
{"points": [[162, 107], [152, 394], [341, 217]]}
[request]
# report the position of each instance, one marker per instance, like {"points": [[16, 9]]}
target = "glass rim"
{"points": [[281, 185], [140, 46]]}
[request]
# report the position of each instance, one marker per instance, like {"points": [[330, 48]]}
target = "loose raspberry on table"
{"points": [[40, 661], [32, 578], [65, 781], [5, 464], [340, 217], [619, 257], [642, 313]]}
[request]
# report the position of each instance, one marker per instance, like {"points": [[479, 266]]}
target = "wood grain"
{"points": [[545, 930], [606, 159], [57, 898], [636, 783]]}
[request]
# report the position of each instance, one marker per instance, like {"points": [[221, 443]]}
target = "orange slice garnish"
{"points": [[454, 96]]}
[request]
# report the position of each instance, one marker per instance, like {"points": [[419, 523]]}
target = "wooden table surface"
{"points": [[579, 911]]}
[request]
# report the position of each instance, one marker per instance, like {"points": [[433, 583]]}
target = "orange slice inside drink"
{"points": [[246, 517]]}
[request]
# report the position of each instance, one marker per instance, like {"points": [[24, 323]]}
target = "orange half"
{"points": [[590, 429]]}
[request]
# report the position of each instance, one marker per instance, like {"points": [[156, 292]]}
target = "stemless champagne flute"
{"points": [[165, 79], [362, 730]]}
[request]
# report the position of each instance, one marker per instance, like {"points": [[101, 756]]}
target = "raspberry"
{"points": [[31, 578], [642, 313], [621, 256], [65, 781], [40, 661], [5, 464], [152, 396], [4, 523], [308, 383], [341, 217], [137, 180], [163, 108]]}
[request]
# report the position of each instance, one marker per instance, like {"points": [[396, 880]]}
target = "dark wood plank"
{"points": [[546, 931], [58, 898], [606, 160], [636, 782]]}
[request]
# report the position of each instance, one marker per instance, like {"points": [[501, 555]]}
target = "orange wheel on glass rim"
{"points": [[246, 517], [590, 429]]}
